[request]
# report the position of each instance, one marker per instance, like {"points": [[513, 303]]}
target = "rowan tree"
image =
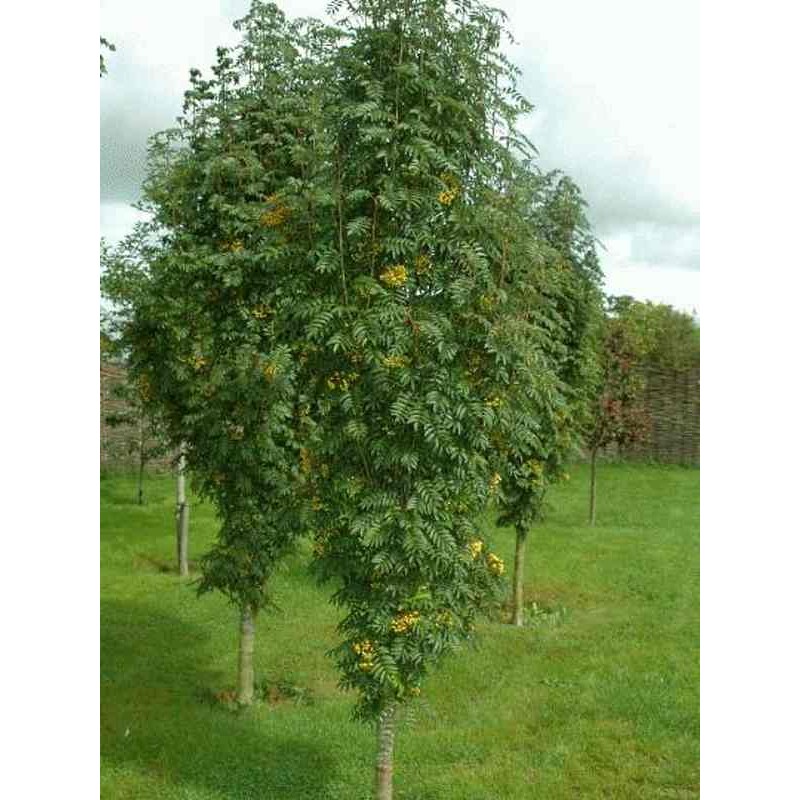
{"points": [[200, 290], [142, 437], [403, 353], [555, 300]]}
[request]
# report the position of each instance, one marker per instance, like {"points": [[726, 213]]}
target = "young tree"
{"points": [[400, 338], [618, 415], [555, 296], [182, 515], [124, 270], [143, 437], [200, 327]]}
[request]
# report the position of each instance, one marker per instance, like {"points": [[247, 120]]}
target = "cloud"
{"points": [[615, 86]]}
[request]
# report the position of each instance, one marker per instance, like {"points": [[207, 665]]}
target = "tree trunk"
{"points": [[247, 634], [593, 488], [383, 763], [519, 575], [140, 493], [182, 518]]}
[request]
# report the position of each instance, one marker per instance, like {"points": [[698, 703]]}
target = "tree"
{"points": [[144, 437], [618, 415], [125, 270], [670, 338], [197, 308], [400, 340], [559, 303]]}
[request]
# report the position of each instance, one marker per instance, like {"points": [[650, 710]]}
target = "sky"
{"points": [[615, 89]]}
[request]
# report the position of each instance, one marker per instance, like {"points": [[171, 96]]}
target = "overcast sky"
{"points": [[615, 85]]}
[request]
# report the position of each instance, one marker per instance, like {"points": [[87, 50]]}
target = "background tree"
{"points": [[143, 437], [555, 296], [618, 415], [670, 338], [201, 295], [125, 269]]}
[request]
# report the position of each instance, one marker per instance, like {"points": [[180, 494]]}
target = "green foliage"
{"points": [[670, 338], [554, 308], [195, 315]]}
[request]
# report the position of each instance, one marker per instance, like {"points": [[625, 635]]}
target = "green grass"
{"points": [[602, 703]]}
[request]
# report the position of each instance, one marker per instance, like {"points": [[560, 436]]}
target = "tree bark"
{"points": [[247, 634], [182, 518], [593, 488], [519, 575], [140, 493], [384, 761]]}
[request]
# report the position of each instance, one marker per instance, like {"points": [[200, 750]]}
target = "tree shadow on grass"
{"points": [[154, 666]]}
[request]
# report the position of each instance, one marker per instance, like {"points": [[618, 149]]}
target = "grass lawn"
{"points": [[598, 698]]}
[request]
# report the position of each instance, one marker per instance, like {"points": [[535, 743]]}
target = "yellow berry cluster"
{"points": [[422, 264], [494, 482], [342, 382], [367, 654], [395, 276], [402, 622], [270, 371], [496, 564], [537, 470], [494, 402], [446, 196], [394, 362], [414, 691], [487, 302], [275, 216], [306, 462], [476, 548], [316, 503], [444, 618], [261, 311], [236, 246], [198, 362]]}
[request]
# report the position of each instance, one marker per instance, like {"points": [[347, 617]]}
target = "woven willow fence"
{"points": [[672, 399]]}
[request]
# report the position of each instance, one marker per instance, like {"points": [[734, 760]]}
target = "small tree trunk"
{"points": [[519, 574], [182, 518], [384, 761], [593, 487], [140, 492], [247, 634]]}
